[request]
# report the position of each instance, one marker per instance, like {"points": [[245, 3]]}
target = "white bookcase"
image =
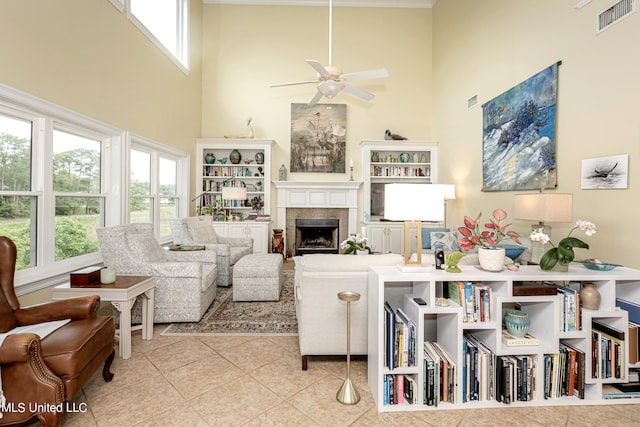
{"points": [[445, 325], [255, 176], [385, 162]]}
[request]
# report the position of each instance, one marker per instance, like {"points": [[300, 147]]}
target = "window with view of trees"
{"points": [[18, 205], [62, 177], [79, 204], [153, 187]]}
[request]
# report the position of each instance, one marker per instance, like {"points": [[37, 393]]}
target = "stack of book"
{"points": [[440, 383], [624, 390], [515, 378], [475, 300], [399, 389], [570, 314], [399, 339], [634, 327], [607, 351], [564, 372], [478, 370]]}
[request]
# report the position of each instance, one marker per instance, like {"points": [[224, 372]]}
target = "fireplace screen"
{"points": [[316, 236]]}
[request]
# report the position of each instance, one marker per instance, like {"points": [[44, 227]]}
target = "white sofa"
{"points": [[322, 317]]}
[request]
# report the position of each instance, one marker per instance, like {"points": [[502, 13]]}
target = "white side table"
{"points": [[122, 294]]}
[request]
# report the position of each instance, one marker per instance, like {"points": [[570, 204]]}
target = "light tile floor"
{"points": [[257, 381]]}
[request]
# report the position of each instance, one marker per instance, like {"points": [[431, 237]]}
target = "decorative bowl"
{"points": [[598, 265]]}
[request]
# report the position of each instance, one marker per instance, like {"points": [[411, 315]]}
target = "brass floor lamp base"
{"points": [[348, 394]]}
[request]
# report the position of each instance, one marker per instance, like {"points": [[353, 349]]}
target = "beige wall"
{"points": [[486, 48], [86, 56], [248, 48]]}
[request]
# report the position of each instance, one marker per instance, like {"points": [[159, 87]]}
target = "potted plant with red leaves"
{"points": [[490, 255]]}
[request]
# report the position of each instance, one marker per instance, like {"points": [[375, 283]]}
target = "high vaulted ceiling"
{"points": [[349, 3]]}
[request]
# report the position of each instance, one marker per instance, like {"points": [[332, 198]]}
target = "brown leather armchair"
{"points": [[39, 376]]}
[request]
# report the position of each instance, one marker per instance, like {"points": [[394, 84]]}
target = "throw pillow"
{"points": [[146, 247], [202, 232], [426, 236], [443, 241]]}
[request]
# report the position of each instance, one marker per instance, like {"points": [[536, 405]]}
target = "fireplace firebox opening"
{"points": [[316, 235]]}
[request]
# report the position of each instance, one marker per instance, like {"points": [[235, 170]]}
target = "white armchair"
{"points": [[199, 231], [185, 281]]}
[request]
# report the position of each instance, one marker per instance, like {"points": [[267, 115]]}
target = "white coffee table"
{"points": [[122, 294]]}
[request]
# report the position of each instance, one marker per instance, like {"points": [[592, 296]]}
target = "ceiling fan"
{"points": [[330, 79]]}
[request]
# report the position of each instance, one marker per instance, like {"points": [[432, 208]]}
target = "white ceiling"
{"points": [[350, 3]]}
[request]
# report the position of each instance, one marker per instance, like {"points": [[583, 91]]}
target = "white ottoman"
{"points": [[257, 277]]}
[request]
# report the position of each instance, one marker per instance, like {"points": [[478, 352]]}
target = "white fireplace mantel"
{"points": [[313, 194]]}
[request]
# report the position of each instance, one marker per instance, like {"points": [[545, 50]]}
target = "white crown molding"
{"points": [[416, 4]]}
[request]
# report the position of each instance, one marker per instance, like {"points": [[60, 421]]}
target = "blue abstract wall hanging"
{"points": [[519, 135]]}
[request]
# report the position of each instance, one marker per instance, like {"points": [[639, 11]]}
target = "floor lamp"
{"points": [[413, 203], [543, 207]]}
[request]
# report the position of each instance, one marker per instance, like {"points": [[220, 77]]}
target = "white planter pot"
{"points": [[362, 252], [491, 259]]}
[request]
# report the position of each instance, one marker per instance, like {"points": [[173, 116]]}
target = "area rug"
{"points": [[244, 318]]}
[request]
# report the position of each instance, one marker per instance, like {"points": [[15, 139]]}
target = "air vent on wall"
{"points": [[615, 14]]}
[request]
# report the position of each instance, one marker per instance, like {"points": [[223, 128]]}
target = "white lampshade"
{"points": [[414, 202], [234, 193], [449, 191], [544, 207]]}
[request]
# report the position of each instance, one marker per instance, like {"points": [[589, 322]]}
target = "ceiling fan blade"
{"points": [[359, 92], [315, 99], [366, 75], [318, 67], [294, 83]]}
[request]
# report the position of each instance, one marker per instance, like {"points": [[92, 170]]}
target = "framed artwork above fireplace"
{"points": [[318, 138]]}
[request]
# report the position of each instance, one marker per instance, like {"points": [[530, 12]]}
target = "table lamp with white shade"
{"points": [[413, 203], [233, 193], [543, 208]]}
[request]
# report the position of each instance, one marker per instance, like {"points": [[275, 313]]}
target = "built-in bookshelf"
{"points": [[241, 163], [464, 359], [385, 162]]}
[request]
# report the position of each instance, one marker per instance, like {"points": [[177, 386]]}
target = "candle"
{"points": [[351, 162]]}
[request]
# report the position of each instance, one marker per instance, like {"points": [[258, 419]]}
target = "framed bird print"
{"points": [[605, 172], [318, 138]]}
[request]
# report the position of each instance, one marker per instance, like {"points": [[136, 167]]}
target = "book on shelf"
{"points": [[633, 342], [263, 217], [474, 299], [528, 288], [630, 307], [569, 307], [511, 341]]}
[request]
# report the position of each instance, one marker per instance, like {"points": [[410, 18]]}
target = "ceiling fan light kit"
{"points": [[331, 81]]}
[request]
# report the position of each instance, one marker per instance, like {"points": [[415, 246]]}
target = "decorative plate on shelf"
{"points": [[595, 264]]}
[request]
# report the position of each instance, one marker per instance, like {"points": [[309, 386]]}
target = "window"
{"points": [[79, 203], [158, 177], [166, 23], [18, 204]]}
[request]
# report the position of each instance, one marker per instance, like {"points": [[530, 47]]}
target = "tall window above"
{"points": [[166, 22]]}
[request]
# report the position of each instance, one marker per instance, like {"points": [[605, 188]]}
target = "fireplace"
{"points": [[316, 235]]}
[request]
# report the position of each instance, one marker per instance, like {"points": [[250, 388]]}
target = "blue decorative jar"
{"points": [[517, 323]]}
